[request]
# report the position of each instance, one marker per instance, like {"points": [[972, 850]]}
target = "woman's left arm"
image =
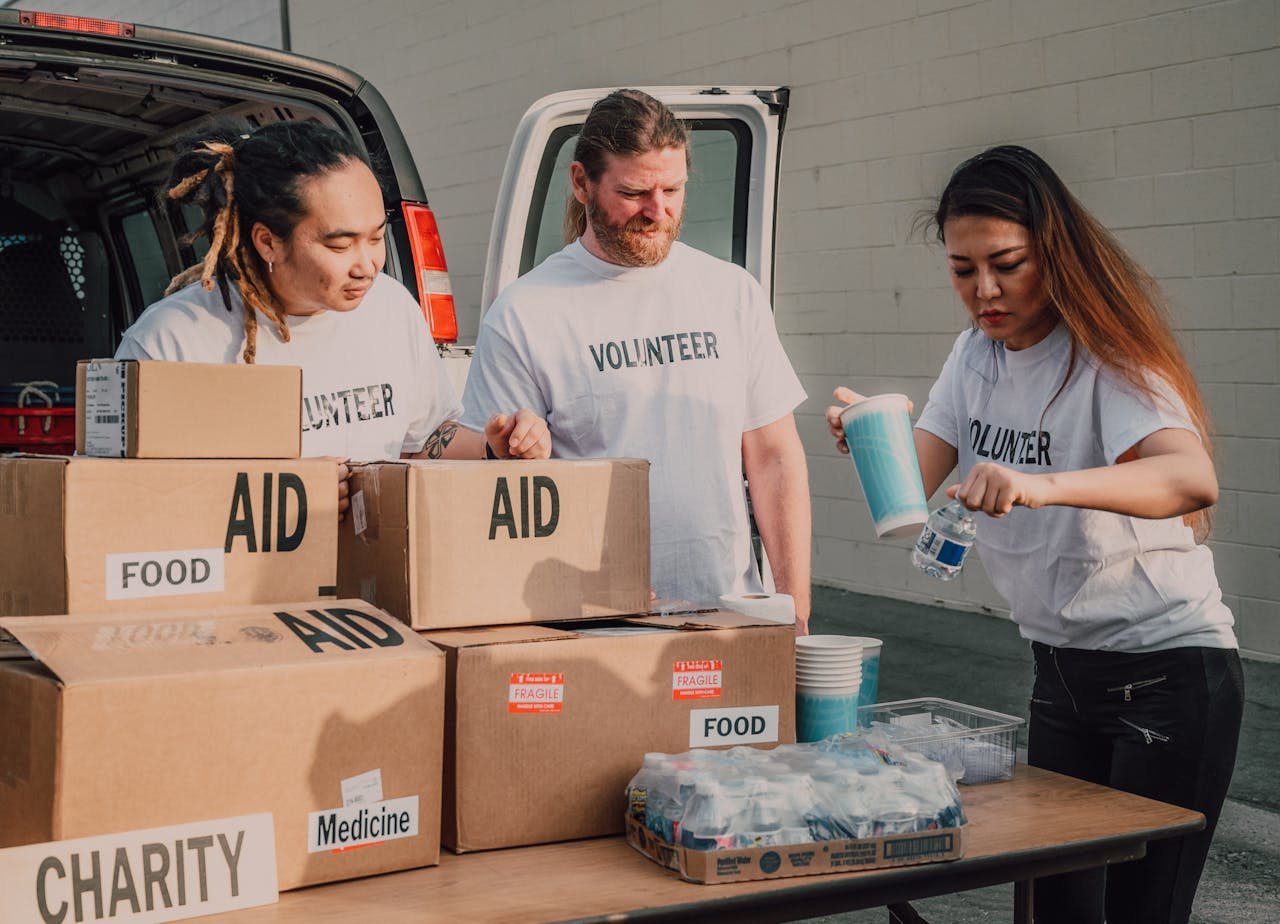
{"points": [[1166, 474]]}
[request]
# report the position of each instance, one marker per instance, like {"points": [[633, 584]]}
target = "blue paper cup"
{"points": [[869, 689], [819, 717], [878, 431]]}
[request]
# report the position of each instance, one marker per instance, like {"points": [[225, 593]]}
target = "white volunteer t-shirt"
{"points": [[373, 384], [669, 363], [1075, 578]]}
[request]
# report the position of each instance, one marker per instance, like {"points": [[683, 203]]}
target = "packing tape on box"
{"points": [[773, 607]]}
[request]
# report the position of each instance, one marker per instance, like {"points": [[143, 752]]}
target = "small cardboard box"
{"points": [[327, 714], [141, 409], [451, 544], [708, 867], [109, 535], [545, 726]]}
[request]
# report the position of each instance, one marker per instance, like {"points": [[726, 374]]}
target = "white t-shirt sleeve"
{"points": [[1127, 416], [437, 401], [773, 389], [939, 416], [130, 348], [500, 380]]}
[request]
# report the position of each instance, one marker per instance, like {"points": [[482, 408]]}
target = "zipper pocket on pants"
{"points": [[1128, 688], [1146, 733]]}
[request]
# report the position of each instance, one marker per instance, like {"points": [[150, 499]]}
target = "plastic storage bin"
{"points": [[980, 741]]}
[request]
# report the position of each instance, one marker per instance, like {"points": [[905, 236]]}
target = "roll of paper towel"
{"points": [[773, 607]]}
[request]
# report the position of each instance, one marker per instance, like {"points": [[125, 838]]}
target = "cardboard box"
{"points": [[167, 410], [545, 726], [108, 535], [708, 867], [123, 722], [450, 544]]}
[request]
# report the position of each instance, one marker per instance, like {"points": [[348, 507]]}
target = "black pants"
{"points": [[1162, 725]]}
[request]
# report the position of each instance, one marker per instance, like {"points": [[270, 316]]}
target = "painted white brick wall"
{"points": [[1164, 115]]}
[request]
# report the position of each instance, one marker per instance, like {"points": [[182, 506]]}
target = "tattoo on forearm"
{"points": [[437, 441]]}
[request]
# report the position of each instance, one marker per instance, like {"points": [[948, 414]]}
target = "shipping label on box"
{"points": [[570, 540], [311, 695], [147, 409], [98, 535], [527, 701]]}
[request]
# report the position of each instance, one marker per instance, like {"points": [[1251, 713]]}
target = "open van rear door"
{"points": [[731, 198]]}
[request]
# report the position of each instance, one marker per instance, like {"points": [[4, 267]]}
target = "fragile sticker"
{"points": [[697, 679], [535, 693], [105, 426]]}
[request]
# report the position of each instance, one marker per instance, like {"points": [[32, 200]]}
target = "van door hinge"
{"points": [[777, 100]]}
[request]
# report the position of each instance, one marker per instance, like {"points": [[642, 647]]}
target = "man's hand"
{"points": [[995, 490], [522, 435]]}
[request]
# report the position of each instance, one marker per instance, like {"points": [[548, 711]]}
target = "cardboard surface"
{"points": [[708, 867], [545, 727], [122, 722], [173, 410], [451, 544], [111, 535]]}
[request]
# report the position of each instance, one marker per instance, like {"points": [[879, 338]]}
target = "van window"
{"points": [[715, 199], [142, 242]]}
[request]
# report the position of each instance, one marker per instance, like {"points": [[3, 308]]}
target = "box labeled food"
{"points": [[114, 535], [545, 725], [708, 867], [451, 544], [143, 409], [326, 714]]}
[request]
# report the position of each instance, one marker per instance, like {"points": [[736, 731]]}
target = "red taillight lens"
{"points": [[435, 292], [77, 24]]}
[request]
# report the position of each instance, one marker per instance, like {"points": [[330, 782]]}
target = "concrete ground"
{"points": [[981, 660]]}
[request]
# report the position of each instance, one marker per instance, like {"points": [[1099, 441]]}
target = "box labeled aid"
{"points": [[326, 714], [121, 535], [449, 544]]}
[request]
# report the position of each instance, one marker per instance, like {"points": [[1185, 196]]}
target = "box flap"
{"points": [[87, 649], [494, 635], [702, 619]]}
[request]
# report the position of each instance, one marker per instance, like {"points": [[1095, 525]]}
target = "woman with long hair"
{"points": [[1080, 433], [296, 223]]}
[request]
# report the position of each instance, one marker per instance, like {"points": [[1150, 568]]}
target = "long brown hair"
{"points": [[1110, 306], [626, 122], [240, 179]]}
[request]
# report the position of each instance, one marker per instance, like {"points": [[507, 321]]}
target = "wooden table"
{"points": [[1037, 824]]}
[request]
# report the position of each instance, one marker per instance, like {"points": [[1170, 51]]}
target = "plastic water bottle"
{"points": [[944, 541]]}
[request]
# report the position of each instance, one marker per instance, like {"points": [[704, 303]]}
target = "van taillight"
{"points": [[76, 23], [434, 289]]}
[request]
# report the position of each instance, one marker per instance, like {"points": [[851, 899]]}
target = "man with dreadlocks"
{"points": [[632, 344], [296, 223]]}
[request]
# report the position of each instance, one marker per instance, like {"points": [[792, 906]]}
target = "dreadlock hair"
{"points": [[626, 122], [1109, 304], [239, 179]]}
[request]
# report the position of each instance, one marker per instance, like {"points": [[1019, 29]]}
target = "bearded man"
{"points": [[632, 344]]}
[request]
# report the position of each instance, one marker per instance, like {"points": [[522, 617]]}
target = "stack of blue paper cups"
{"points": [[828, 682]]}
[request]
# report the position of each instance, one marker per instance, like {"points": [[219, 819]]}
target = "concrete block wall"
{"points": [[1163, 115]]}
